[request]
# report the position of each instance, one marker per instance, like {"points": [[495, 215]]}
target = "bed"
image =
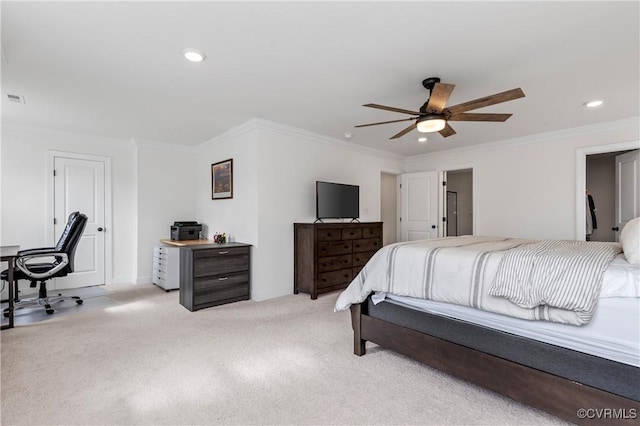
{"points": [[571, 350]]}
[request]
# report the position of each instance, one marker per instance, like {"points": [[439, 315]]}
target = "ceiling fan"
{"points": [[434, 117]]}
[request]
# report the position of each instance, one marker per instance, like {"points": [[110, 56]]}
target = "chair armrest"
{"points": [[21, 263], [36, 251]]}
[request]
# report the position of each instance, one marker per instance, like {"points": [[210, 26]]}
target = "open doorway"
{"points": [[389, 207], [458, 202], [581, 185], [601, 210]]}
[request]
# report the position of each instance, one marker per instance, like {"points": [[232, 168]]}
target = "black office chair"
{"points": [[62, 265]]}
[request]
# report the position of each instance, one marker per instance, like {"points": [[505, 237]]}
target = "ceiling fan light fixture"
{"points": [[430, 123]]}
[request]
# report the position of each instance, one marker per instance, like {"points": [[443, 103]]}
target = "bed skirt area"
{"points": [[548, 377]]}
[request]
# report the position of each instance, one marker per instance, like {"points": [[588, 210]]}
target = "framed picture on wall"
{"points": [[222, 180]]}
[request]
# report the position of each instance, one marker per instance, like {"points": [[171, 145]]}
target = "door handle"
{"points": [[433, 226], [615, 228], [100, 229]]}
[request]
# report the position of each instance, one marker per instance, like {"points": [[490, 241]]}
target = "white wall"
{"points": [[166, 192], [275, 169], [524, 188], [153, 184], [527, 188], [24, 192]]}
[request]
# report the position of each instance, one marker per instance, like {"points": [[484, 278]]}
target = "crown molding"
{"points": [[314, 137], [632, 122], [232, 133], [272, 126]]}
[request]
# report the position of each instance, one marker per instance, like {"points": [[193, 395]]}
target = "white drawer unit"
{"points": [[166, 267]]}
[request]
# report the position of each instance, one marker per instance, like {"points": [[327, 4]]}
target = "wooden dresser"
{"points": [[214, 274], [327, 256]]}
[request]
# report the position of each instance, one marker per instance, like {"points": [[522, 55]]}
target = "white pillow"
{"points": [[630, 239]]}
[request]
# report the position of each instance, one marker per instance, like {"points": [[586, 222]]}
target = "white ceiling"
{"points": [[115, 68]]}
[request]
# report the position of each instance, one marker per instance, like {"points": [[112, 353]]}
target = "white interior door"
{"points": [[419, 206], [79, 185], [627, 189]]}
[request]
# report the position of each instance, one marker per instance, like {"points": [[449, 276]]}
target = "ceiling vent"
{"points": [[16, 98]]}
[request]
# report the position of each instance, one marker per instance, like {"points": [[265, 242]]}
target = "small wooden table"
{"points": [[8, 254]]}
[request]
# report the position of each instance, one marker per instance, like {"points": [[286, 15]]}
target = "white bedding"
{"points": [[613, 333], [457, 270], [621, 279]]}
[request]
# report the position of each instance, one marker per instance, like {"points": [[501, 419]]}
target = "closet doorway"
{"points": [[582, 154], [389, 207], [610, 187], [458, 202]]}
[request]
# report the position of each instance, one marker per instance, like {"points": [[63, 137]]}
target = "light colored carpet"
{"points": [[93, 298], [146, 360]]}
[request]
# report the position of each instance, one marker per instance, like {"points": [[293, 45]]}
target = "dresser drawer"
{"points": [[221, 293], [329, 279], [220, 252], [159, 273], [369, 244], [351, 234], [334, 248], [212, 283], [372, 232], [220, 264], [360, 259], [328, 234], [333, 263]]}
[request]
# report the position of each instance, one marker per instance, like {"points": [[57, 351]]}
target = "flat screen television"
{"points": [[337, 201]]}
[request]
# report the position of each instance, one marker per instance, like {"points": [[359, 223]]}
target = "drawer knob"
{"points": [[223, 278]]}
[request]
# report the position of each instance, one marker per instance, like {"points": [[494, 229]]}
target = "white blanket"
{"points": [[456, 270]]}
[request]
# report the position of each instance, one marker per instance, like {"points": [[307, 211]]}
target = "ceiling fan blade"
{"points": [[439, 97], [509, 95], [386, 122], [447, 131], [479, 117], [404, 132], [388, 108]]}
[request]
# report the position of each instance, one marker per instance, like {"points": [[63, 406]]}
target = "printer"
{"points": [[185, 230]]}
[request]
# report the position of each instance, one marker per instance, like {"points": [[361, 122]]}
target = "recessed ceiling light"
{"points": [[593, 104], [422, 139], [348, 135], [194, 55]]}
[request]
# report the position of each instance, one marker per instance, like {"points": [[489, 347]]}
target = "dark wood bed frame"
{"points": [[547, 392]]}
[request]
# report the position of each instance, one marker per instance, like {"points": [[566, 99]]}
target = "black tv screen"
{"points": [[337, 201]]}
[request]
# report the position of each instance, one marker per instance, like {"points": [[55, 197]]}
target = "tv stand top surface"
{"points": [[335, 224]]}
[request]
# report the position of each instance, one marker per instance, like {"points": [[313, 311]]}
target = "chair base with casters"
{"points": [[43, 300]]}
